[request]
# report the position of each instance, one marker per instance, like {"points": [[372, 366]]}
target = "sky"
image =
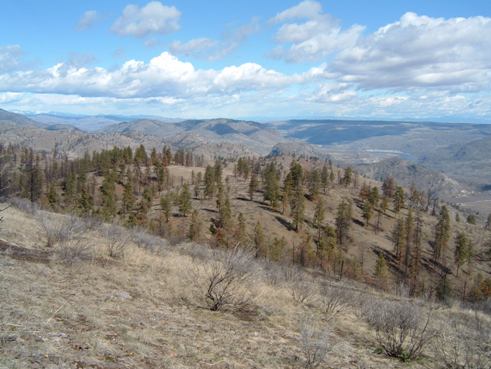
{"points": [[265, 60]]}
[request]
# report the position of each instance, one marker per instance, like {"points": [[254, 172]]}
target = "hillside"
{"points": [[86, 309]]}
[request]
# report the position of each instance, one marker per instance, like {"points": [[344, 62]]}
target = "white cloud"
{"points": [[151, 18], [216, 49], [421, 52], [316, 36], [87, 20], [305, 9], [10, 57], [196, 46], [163, 76]]}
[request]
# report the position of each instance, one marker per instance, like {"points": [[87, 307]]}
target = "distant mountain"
{"points": [[15, 120], [408, 173], [89, 123], [204, 135]]}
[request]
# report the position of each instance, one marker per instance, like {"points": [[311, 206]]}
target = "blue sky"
{"points": [[390, 59]]}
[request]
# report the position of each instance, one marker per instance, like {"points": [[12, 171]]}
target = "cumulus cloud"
{"points": [[420, 52], [87, 20], [316, 36], [154, 17], [163, 76]]}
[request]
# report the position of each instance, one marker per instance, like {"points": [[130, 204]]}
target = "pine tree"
{"points": [[442, 234], [319, 217], [166, 206], [241, 232], [298, 210], [343, 221], [53, 198], [399, 240], [224, 209], [324, 178], [184, 200], [128, 201], [367, 212], [398, 199], [416, 256], [381, 272], [314, 184], [463, 250], [209, 182], [252, 186], [409, 229], [195, 228], [108, 190], [277, 249], [271, 185], [347, 177], [260, 243]]}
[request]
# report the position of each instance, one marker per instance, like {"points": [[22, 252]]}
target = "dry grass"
{"points": [[138, 312]]}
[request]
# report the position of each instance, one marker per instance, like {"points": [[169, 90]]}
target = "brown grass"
{"points": [[139, 312]]}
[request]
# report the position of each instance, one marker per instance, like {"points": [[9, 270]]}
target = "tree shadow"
{"points": [[285, 223]]}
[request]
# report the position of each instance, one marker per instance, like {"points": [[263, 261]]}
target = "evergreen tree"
{"points": [[277, 249], [241, 232], [409, 229], [128, 201], [398, 199], [298, 209], [324, 178], [367, 212], [416, 256], [399, 240], [166, 206], [209, 182], [260, 244], [442, 234], [53, 198], [347, 177], [108, 191], [195, 228], [319, 217], [343, 221], [314, 184], [463, 250], [252, 186], [271, 185], [471, 219], [381, 272], [184, 200]]}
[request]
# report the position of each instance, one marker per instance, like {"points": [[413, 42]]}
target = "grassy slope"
{"points": [[138, 312]]}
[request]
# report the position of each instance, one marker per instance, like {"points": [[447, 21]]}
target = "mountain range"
{"points": [[449, 159]]}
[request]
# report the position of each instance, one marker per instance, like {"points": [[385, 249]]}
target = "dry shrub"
{"points": [[116, 239], [314, 341], [402, 328], [334, 300], [464, 343], [147, 241], [225, 282], [24, 205], [60, 229], [72, 251]]}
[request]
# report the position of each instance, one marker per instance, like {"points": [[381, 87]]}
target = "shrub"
{"points": [[303, 291], [147, 241], [464, 343], [61, 229], [314, 340], [116, 241], [334, 300], [224, 281], [71, 251], [402, 328]]}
